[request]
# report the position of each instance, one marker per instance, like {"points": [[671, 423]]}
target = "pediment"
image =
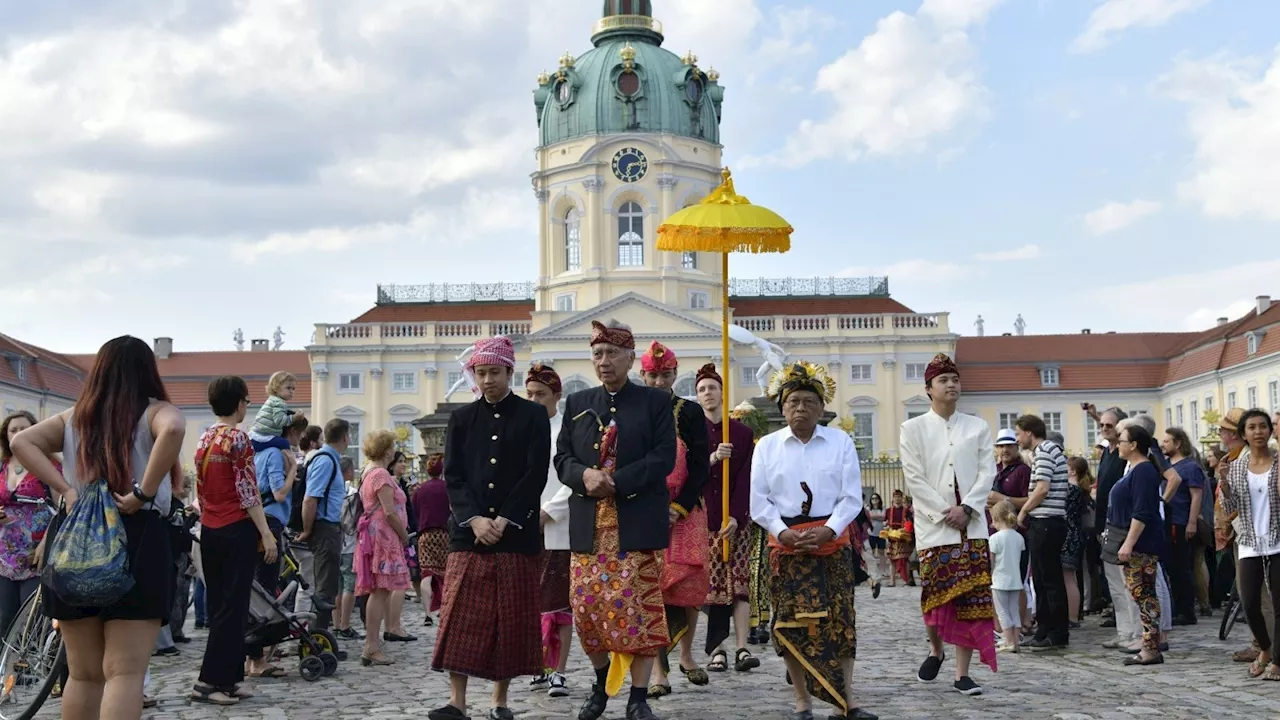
{"points": [[649, 318], [917, 400], [863, 401], [349, 411], [404, 409]]}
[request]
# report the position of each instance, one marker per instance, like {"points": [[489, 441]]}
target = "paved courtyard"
{"points": [[1084, 683]]}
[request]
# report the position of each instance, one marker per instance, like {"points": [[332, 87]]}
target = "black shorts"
{"points": [[150, 550], [877, 542]]}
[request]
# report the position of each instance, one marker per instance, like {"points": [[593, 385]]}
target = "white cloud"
{"points": [[1234, 117], [1203, 295], [913, 79], [1115, 215], [1026, 252], [1115, 16]]}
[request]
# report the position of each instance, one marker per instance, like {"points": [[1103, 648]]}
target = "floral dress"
{"points": [[379, 561], [25, 528], [1077, 504]]}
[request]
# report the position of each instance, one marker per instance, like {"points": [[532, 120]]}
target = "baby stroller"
{"points": [[273, 622]]}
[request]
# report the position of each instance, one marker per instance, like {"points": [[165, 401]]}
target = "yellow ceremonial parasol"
{"points": [[725, 222]]}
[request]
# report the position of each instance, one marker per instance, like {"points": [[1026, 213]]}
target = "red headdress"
{"points": [[618, 336], [941, 365], [545, 375], [493, 351], [658, 358], [708, 372]]}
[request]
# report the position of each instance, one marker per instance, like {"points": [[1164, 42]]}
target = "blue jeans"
{"points": [[202, 614]]}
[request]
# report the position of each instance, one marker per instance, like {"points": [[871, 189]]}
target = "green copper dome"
{"points": [[628, 83]]}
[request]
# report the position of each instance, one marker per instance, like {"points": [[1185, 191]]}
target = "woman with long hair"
{"points": [[124, 431], [1079, 505], [399, 469], [23, 524], [1182, 523], [1252, 489], [875, 513]]}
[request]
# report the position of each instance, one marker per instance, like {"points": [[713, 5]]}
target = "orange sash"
{"points": [[831, 547]]}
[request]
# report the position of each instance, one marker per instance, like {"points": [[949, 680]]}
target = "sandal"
{"points": [[1256, 669], [270, 672], [1272, 673], [658, 690], [212, 696], [744, 660], [719, 661], [697, 675]]}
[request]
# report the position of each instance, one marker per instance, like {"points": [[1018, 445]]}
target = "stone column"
{"points": [[319, 396], [546, 258], [889, 369], [377, 421], [593, 230], [431, 385]]}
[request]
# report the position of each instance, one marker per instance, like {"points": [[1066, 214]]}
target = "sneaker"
{"points": [[541, 682], [166, 652], [966, 686], [559, 686]]}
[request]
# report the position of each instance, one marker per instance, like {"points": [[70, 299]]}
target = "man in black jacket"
{"points": [[615, 450], [496, 454], [686, 577]]}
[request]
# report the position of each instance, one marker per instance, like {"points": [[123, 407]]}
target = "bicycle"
{"points": [[32, 658]]}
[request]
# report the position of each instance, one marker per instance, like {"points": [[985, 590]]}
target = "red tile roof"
{"points": [[45, 371], [187, 374], [1111, 361]]}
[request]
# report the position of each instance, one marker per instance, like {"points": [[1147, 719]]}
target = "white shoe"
{"points": [[559, 686]]}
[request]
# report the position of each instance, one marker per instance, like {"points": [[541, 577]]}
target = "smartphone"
{"points": [[1084, 406]]}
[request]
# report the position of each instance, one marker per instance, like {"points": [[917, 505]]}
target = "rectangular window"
{"points": [[353, 447], [1090, 433], [453, 378], [1181, 418], [349, 381], [21, 364], [698, 300], [915, 371], [406, 445], [1053, 421], [1231, 400], [913, 414], [690, 261], [1208, 402], [1049, 377], [1168, 417], [517, 381], [1195, 420], [860, 373], [749, 374], [565, 303], [864, 434], [1133, 413], [1252, 394], [1008, 420], [1273, 390], [404, 382]]}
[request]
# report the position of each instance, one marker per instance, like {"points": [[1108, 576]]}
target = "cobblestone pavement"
{"points": [[1198, 680]]}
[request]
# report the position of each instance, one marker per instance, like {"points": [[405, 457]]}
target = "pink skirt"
{"points": [[379, 560]]}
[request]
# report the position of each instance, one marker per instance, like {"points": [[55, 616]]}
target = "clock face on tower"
{"points": [[630, 165]]}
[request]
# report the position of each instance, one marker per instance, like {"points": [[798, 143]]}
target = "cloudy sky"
{"points": [[187, 167]]}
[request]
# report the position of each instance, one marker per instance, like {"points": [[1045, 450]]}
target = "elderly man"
{"points": [[496, 454], [685, 575], [730, 585], [542, 385], [806, 490], [949, 468], [615, 451]]}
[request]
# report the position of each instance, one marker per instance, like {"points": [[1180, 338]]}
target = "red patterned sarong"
{"points": [[955, 595], [685, 575], [490, 626]]}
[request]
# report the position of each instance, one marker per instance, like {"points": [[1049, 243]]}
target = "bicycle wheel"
{"points": [[1230, 613], [32, 660]]}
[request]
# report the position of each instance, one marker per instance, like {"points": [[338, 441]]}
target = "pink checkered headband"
{"points": [[493, 351]]}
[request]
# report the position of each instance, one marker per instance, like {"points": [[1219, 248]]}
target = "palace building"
{"points": [[628, 133]]}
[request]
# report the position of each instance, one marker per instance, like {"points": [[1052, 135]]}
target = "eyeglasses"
{"points": [[1106, 426], [797, 403]]}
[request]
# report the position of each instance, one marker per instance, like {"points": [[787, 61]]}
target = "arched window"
{"points": [[575, 385], [572, 241], [630, 235], [685, 388]]}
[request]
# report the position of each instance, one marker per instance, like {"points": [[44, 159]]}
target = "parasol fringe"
{"points": [[688, 238]]}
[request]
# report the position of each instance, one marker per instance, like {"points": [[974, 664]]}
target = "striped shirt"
{"points": [[1050, 466]]}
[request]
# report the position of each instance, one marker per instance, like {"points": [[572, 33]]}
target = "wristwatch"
{"points": [[137, 492], [967, 510]]}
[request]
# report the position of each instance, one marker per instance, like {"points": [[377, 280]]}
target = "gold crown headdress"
{"points": [[802, 375]]}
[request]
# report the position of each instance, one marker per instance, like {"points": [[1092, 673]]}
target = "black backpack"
{"points": [[300, 493]]}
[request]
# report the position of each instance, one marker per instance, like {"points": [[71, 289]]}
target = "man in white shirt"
{"points": [[542, 385], [949, 464], [806, 490]]}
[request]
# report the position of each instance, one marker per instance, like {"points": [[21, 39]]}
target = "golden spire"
{"points": [[689, 58], [713, 75], [543, 78], [566, 60]]}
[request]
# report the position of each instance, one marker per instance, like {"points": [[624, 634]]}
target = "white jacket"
{"points": [[555, 499], [938, 455]]}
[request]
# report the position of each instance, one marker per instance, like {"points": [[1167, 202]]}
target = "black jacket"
{"points": [[691, 426], [646, 453], [495, 464]]}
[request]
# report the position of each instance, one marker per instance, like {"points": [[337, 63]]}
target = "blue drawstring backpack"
{"points": [[88, 563]]}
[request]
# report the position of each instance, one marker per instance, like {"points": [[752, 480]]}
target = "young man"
{"points": [[685, 575], [949, 468], [808, 515], [497, 450], [542, 385], [322, 518], [1044, 514], [728, 597], [615, 451]]}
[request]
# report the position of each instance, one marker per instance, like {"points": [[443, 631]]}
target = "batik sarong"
{"points": [[955, 596], [616, 596], [759, 577], [490, 625], [433, 551], [814, 619]]}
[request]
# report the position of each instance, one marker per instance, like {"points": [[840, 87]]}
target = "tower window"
{"points": [[693, 90], [572, 241], [628, 83], [630, 235], [689, 261]]}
